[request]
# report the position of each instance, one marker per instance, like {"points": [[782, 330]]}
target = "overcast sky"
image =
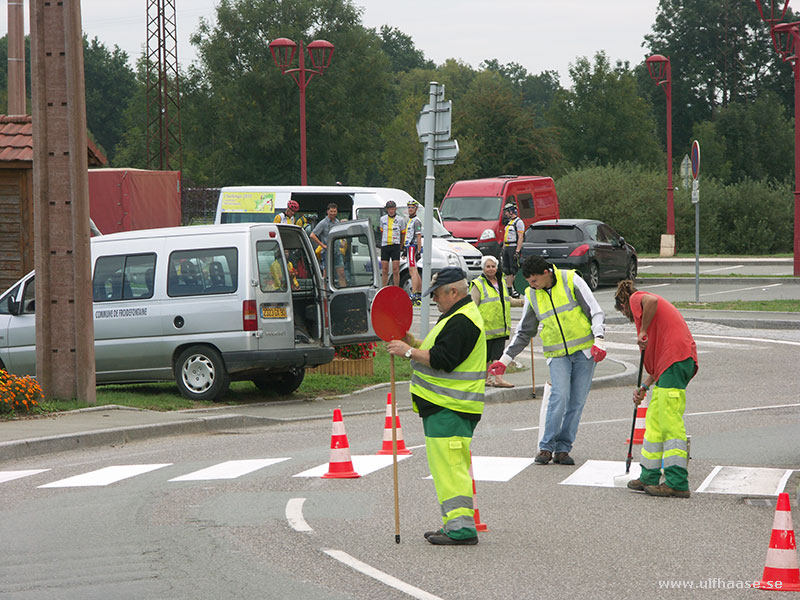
{"points": [[539, 34]]}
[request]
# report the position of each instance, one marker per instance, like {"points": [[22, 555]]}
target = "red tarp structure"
{"points": [[128, 199]]}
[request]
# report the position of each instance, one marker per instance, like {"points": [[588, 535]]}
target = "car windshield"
{"points": [[472, 208], [553, 234]]}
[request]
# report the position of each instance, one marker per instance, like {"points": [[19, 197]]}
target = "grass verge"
{"points": [[753, 305]]}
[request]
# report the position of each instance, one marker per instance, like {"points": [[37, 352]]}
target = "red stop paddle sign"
{"points": [[391, 313]]}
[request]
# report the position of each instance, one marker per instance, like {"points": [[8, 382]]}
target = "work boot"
{"points": [[543, 457], [441, 539], [663, 490], [563, 458], [428, 534], [636, 484]]}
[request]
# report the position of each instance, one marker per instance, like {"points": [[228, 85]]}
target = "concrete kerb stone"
{"points": [[118, 436]]}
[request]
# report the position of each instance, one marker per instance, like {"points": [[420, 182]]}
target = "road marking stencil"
{"points": [[11, 475], [103, 477], [600, 473], [362, 464], [760, 481], [229, 470]]}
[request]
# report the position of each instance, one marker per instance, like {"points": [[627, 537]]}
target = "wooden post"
{"points": [[533, 375], [64, 325]]}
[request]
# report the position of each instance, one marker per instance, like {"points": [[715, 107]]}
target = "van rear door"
{"points": [[273, 293], [351, 279]]}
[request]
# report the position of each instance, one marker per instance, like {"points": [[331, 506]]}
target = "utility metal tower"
{"points": [[163, 93]]}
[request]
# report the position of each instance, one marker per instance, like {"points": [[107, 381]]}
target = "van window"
{"points": [[356, 260], [471, 208], [525, 206], [202, 272], [299, 261], [12, 293], [250, 217], [123, 277], [29, 297], [271, 267]]}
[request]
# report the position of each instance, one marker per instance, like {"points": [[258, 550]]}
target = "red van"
{"points": [[473, 209]]}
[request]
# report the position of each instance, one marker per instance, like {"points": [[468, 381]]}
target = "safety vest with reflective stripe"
{"points": [[494, 309], [565, 327], [463, 388]]}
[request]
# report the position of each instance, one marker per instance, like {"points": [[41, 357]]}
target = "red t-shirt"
{"points": [[668, 337]]}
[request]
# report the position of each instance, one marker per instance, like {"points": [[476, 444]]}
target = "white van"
{"points": [[210, 304], [248, 204]]}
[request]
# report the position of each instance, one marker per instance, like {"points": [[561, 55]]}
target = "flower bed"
{"points": [[18, 394], [350, 359]]}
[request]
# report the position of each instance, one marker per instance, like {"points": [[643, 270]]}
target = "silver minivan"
{"points": [[209, 304]]}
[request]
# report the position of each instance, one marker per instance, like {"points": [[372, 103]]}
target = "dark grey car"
{"points": [[592, 247]]}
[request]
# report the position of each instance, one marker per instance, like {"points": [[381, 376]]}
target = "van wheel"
{"points": [[200, 374], [633, 270], [593, 278]]}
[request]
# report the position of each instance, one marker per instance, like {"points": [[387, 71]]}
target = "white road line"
{"points": [[294, 514], [746, 339], [384, 578], [11, 475], [104, 476], [229, 470], [655, 285], [643, 267], [747, 289], [722, 269], [694, 414]]}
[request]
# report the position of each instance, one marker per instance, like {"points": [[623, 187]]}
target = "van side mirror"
{"points": [[13, 306]]}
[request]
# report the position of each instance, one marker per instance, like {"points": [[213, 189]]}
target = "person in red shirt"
{"points": [[670, 359]]}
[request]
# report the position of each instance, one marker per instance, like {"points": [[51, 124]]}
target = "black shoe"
{"points": [[543, 457], [440, 539], [428, 534], [563, 458]]}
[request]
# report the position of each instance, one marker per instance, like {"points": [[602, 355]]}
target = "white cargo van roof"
{"points": [[173, 232]]}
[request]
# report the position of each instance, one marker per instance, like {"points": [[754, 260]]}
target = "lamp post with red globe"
{"points": [[785, 38], [660, 71], [283, 52]]}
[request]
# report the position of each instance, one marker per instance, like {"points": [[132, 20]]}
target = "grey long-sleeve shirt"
{"points": [[528, 325]]}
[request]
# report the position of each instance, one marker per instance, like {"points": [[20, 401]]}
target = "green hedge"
{"points": [[751, 217]]}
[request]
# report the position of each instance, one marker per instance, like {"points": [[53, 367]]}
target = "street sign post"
{"points": [[696, 202], [433, 128]]}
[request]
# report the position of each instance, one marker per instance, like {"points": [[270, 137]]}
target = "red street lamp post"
{"points": [[320, 52], [661, 72], [785, 38]]}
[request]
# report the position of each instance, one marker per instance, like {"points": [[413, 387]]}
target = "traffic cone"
{"points": [[387, 431], [340, 465], [478, 525], [638, 431], [780, 569]]}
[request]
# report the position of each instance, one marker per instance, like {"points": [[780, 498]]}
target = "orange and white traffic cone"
{"points": [[638, 431], [340, 465], [387, 431], [478, 525], [780, 569]]}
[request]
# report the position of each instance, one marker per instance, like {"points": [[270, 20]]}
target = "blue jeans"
{"points": [[571, 378]]}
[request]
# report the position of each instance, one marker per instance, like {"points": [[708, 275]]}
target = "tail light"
{"points": [[580, 250], [249, 316]]}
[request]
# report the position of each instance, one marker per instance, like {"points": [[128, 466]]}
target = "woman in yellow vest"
{"points": [[490, 296], [447, 390], [572, 340]]}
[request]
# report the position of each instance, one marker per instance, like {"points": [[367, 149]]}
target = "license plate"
{"points": [[273, 312]]}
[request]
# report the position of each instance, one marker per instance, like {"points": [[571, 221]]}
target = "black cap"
{"points": [[443, 277]]}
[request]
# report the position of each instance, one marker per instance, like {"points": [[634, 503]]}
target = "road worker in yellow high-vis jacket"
{"points": [[447, 390]]}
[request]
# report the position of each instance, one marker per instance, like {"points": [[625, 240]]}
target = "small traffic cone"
{"points": [[340, 465], [638, 431], [387, 431], [478, 525], [780, 569]]}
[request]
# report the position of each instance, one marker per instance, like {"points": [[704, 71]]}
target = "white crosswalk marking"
{"points": [[363, 465], [497, 468], [105, 476], [229, 470], [11, 475]]}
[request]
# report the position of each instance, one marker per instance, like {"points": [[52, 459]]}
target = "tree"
{"points": [[399, 47], [110, 84], [602, 118]]}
